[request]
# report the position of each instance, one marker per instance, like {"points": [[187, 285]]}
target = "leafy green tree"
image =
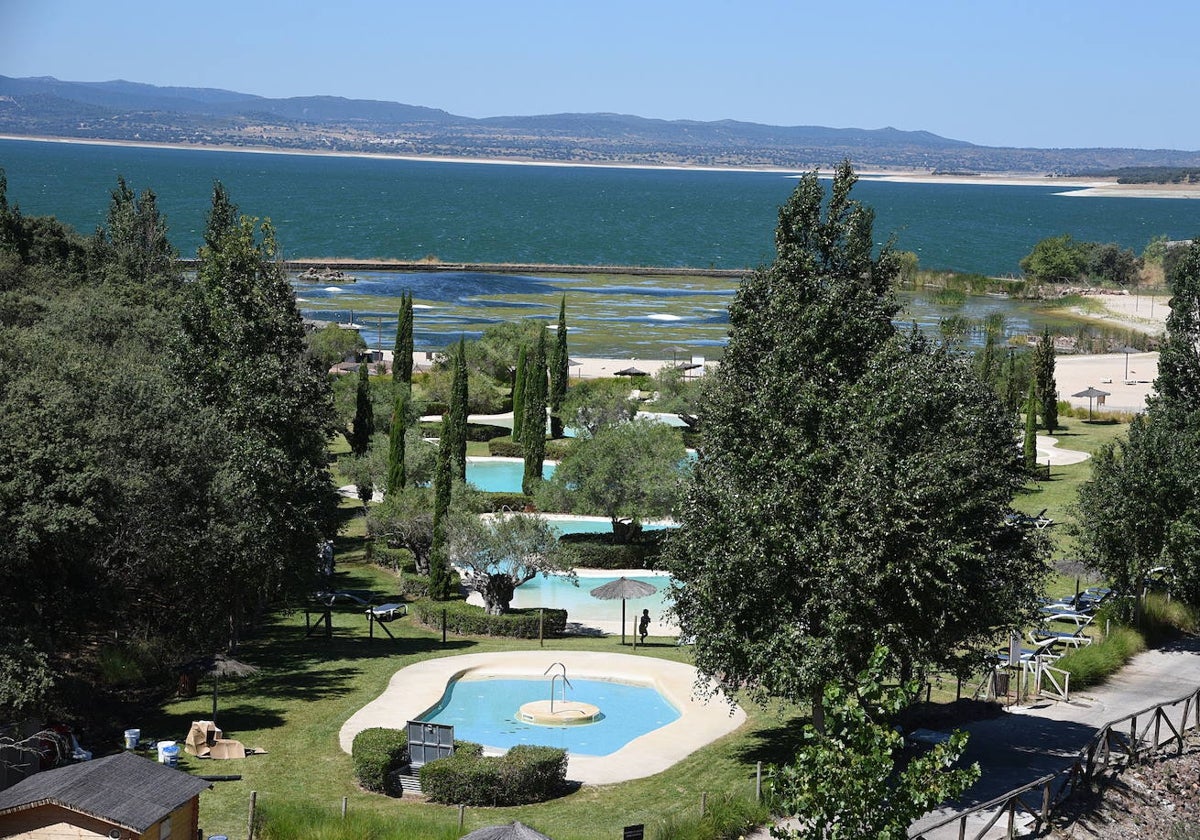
{"points": [[850, 782], [331, 344], [559, 371], [843, 463], [500, 554], [533, 412], [396, 477], [1029, 442], [1043, 377], [363, 424], [1111, 263], [1056, 259], [1139, 509], [137, 234], [628, 472], [518, 394], [243, 355]]}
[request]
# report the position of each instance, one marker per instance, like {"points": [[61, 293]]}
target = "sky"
{"points": [[1027, 73]]}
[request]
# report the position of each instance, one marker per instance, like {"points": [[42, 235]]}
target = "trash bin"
{"points": [[132, 736]]}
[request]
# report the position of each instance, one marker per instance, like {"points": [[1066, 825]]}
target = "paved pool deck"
{"points": [[417, 688]]}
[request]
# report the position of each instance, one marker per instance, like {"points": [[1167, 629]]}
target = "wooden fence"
{"points": [[1119, 743]]}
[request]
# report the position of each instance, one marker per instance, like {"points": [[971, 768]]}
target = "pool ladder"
{"points": [[566, 682]]}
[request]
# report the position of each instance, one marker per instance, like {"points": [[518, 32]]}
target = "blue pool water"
{"points": [[484, 711], [496, 475], [558, 593], [594, 526]]}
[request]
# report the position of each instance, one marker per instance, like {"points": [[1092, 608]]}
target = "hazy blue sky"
{"points": [[1002, 73]]}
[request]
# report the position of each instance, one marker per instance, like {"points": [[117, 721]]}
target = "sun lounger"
{"points": [[1049, 638], [1053, 613], [388, 612]]}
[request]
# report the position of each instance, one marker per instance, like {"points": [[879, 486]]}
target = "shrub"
{"points": [[598, 551], [392, 558], [1163, 619], [728, 817], [414, 585], [505, 447], [469, 620], [376, 753], [1094, 663], [523, 775], [475, 431]]}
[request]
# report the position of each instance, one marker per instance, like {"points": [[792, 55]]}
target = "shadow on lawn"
{"points": [[776, 745]]}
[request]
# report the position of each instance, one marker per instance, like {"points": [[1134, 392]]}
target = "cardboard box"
{"points": [[201, 737], [227, 748]]}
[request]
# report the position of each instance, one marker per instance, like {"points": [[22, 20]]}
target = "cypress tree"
{"points": [[1029, 449], [439, 563], [402, 353], [518, 394], [1043, 374], [534, 424], [363, 425], [559, 370], [455, 423], [1012, 385], [396, 478]]}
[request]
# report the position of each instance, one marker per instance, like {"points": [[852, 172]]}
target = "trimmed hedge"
{"points": [[464, 619], [523, 775], [391, 558], [506, 447], [376, 753], [417, 586], [598, 551], [475, 431]]}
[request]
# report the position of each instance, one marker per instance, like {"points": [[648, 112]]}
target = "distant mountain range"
{"points": [[130, 111]]}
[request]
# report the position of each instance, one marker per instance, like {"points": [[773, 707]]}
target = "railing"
{"points": [[1123, 741]]}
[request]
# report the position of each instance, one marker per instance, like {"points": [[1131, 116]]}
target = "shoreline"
{"points": [[1073, 186]]}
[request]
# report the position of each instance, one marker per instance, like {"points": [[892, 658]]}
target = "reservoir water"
{"points": [[326, 206]]}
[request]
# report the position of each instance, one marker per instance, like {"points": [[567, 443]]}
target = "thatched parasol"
{"points": [[219, 665], [1127, 349], [625, 589], [512, 831], [1091, 394], [631, 372]]}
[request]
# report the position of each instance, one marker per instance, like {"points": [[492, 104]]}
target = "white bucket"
{"points": [[171, 755], [132, 736], [162, 751]]}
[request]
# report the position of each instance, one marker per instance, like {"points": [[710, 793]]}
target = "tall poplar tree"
{"points": [[852, 483], [533, 427], [1043, 377], [439, 558], [518, 394], [559, 371]]}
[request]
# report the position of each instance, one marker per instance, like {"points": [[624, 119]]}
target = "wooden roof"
{"points": [[124, 789]]}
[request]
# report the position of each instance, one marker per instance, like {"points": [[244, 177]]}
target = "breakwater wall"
{"points": [[501, 268]]}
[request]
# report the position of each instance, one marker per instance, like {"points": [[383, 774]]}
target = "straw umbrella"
{"points": [[631, 372], [512, 831], [219, 665], [625, 589], [1091, 394]]}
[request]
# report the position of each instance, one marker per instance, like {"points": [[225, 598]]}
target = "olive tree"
{"points": [[497, 555]]}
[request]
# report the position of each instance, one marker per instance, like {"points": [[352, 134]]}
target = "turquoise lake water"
{"points": [[355, 207], [484, 711]]}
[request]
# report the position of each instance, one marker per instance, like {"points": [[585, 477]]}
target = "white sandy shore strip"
{"points": [[417, 688]]}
